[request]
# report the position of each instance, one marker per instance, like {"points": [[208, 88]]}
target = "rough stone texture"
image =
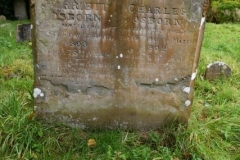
{"points": [[20, 9], [24, 32], [217, 70], [112, 63]]}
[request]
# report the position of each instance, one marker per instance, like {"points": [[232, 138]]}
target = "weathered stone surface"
{"points": [[20, 9], [217, 70], [24, 33], [110, 63]]}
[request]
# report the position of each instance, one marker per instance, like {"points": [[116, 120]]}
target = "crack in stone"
{"points": [[99, 90], [164, 87], [93, 90]]}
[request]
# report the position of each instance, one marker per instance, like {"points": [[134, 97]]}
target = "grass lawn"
{"points": [[213, 132]]}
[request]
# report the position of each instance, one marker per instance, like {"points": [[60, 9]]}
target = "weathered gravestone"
{"points": [[217, 70], [20, 11], [116, 63], [24, 32], [2, 18]]}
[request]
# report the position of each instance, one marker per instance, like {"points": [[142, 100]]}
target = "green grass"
{"points": [[213, 132]]}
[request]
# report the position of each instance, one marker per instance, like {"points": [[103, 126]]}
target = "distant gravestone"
{"points": [[2, 17], [217, 70], [20, 10], [111, 63], [24, 32]]}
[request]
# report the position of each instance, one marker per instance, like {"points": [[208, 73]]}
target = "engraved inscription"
{"points": [[158, 15], [93, 33], [79, 17]]}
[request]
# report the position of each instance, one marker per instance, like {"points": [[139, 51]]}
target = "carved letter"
{"points": [[175, 11], [131, 8]]}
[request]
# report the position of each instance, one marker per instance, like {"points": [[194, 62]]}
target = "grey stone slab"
{"points": [[20, 10]]}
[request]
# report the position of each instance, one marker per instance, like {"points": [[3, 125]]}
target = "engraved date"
{"points": [[79, 44]]}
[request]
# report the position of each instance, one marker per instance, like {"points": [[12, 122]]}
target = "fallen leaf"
{"points": [[91, 143]]}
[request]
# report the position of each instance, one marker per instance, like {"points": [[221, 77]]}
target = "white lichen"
{"points": [[188, 103], [35, 95], [216, 63], [37, 92], [41, 94], [209, 65], [194, 75], [220, 63], [187, 90], [156, 79], [202, 21]]}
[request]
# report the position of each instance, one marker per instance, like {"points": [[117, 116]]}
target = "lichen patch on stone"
{"points": [[194, 75], [188, 103], [187, 90], [37, 92], [202, 21]]}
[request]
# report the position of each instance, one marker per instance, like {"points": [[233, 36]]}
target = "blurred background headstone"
{"points": [[2, 17], [24, 32], [217, 70], [20, 10]]}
